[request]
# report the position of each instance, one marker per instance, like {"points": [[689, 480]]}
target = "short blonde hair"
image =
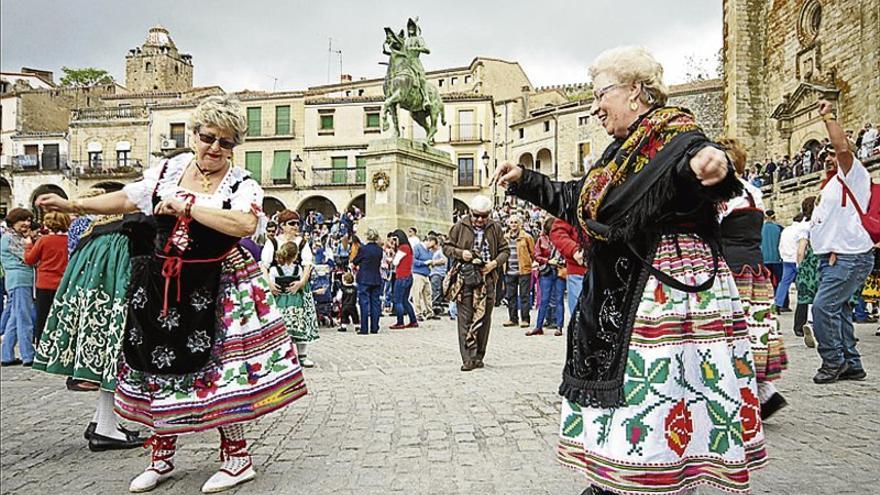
{"points": [[633, 65], [57, 221], [223, 112]]}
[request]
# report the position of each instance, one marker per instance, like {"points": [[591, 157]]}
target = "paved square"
{"points": [[391, 413]]}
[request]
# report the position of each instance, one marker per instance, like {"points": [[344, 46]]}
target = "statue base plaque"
{"points": [[409, 184]]}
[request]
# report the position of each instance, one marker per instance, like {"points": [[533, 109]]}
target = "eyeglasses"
{"points": [[226, 144], [600, 93], [480, 215], [292, 223]]}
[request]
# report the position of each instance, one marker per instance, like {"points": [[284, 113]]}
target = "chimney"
{"points": [[344, 78], [525, 100]]}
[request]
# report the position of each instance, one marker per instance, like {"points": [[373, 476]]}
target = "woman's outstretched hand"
{"points": [[53, 202], [709, 165], [505, 174]]}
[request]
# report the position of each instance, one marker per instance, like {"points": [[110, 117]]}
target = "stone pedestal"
{"points": [[409, 183]]}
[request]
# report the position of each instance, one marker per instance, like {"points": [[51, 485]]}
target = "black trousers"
{"points": [[349, 315], [800, 317], [518, 297], [44, 304]]}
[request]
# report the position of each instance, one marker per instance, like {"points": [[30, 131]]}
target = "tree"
{"points": [[86, 76]]}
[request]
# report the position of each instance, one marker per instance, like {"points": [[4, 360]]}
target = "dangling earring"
{"points": [[633, 105]]}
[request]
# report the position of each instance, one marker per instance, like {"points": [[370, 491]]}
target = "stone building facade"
{"points": [[780, 56], [157, 65]]}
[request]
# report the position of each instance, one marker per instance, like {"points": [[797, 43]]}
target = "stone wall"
{"points": [[705, 100]]}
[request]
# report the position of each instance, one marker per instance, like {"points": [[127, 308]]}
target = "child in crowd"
{"points": [[287, 274], [347, 296]]}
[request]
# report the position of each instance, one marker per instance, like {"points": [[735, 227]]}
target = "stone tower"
{"points": [[157, 66]]}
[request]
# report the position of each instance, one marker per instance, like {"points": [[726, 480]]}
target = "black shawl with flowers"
{"points": [[641, 188]]}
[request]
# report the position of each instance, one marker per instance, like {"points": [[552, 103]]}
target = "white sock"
{"points": [[301, 349], [810, 314], [233, 448], [106, 418], [95, 416], [765, 391]]}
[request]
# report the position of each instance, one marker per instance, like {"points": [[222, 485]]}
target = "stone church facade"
{"points": [[780, 56]]}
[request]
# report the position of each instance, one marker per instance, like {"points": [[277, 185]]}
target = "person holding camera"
{"points": [[477, 246], [552, 286]]}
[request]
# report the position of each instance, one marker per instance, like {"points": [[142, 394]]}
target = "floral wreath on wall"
{"points": [[381, 181]]}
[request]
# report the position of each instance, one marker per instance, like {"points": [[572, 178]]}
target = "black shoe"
{"points": [[783, 310], [869, 319], [478, 363], [853, 374], [28, 364], [90, 430], [799, 332], [14, 362], [100, 443], [773, 404], [830, 375], [362, 333]]}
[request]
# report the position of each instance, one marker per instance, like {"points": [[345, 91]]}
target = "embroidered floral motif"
{"points": [[171, 321], [163, 357], [750, 412], [198, 341], [200, 300], [135, 337], [679, 427], [139, 298]]}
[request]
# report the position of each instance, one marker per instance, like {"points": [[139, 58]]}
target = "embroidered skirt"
{"points": [[692, 415], [756, 296], [301, 321], [83, 334], [253, 368]]}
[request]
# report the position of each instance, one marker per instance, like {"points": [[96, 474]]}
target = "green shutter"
{"points": [[253, 163], [326, 122], [282, 120], [281, 165], [361, 172], [255, 117], [373, 120], [339, 176]]}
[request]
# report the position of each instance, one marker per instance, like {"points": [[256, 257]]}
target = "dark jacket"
{"points": [[462, 237], [368, 259]]}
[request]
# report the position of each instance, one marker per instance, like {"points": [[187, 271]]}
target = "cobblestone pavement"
{"points": [[391, 413]]}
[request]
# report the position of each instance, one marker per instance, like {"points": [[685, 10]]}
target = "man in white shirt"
{"points": [[845, 256], [788, 246]]}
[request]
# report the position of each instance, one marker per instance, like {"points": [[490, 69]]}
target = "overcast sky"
{"points": [[246, 44]]}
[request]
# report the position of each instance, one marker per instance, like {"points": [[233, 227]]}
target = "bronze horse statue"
{"points": [[405, 86]]}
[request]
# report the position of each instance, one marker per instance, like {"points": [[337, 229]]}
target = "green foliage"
{"points": [[86, 76]]}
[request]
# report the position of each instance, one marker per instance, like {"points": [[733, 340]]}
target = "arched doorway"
{"points": [[359, 202], [459, 208], [5, 197], [317, 203], [44, 189], [110, 186], [271, 206], [544, 161], [527, 161]]}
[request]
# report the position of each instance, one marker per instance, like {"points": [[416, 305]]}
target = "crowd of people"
{"points": [[811, 158], [187, 308]]}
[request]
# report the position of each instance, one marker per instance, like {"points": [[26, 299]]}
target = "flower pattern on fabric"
{"points": [[750, 411], [139, 298], [679, 427], [200, 300], [134, 336], [198, 342], [171, 320], [163, 357]]}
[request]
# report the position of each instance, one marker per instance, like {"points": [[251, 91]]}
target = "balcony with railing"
{"points": [[38, 163], [108, 113], [106, 168], [339, 177], [466, 133]]}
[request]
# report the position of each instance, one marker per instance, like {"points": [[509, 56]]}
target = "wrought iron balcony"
{"points": [[38, 163], [108, 113], [466, 133], [105, 168]]}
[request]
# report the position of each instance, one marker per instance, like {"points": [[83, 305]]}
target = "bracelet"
{"points": [[828, 117]]}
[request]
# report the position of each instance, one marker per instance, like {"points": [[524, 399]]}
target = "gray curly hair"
{"points": [[224, 112]]}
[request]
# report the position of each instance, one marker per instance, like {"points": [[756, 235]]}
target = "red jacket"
{"points": [[565, 238], [50, 256], [404, 268]]}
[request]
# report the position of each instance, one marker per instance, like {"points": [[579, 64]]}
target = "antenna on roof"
{"points": [[330, 52]]}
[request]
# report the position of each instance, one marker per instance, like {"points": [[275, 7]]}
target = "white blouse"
{"points": [[247, 198]]}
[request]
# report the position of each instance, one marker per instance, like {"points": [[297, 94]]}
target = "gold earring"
{"points": [[633, 105]]}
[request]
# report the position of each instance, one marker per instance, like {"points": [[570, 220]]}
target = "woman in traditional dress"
{"points": [[304, 328], [741, 221], [85, 326], [807, 280], [659, 381], [204, 346]]}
